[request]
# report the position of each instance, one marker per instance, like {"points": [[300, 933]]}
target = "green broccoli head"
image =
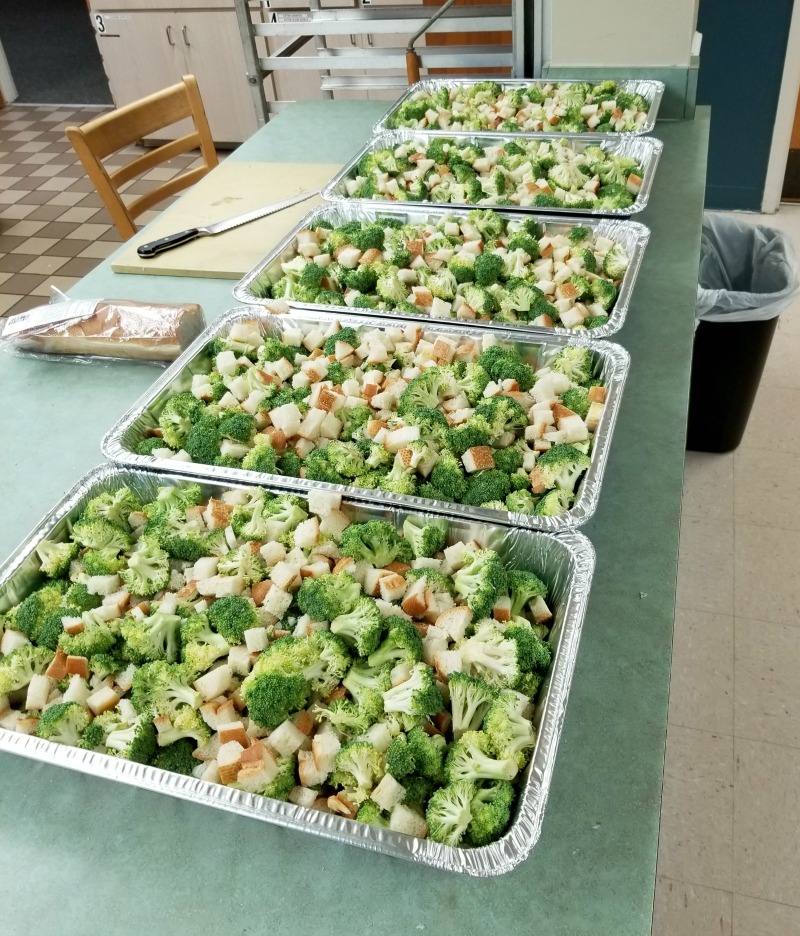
{"points": [[480, 580], [155, 637], [63, 722], [426, 537], [417, 697], [360, 627], [376, 541], [328, 596], [504, 363]]}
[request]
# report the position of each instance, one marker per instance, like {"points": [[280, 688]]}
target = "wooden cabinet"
{"points": [[146, 47]]}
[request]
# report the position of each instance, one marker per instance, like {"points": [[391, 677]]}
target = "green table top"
{"points": [[81, 854]]}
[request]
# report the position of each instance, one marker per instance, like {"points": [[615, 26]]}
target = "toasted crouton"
{"points": [[58, 665], [233, 731], [537, 483], [392, 586], [217, 514], [477, 458], [308, 771], [229, 761], [39, 689], [258, 591], [102, 700], [502, 609], [594, 415], [286, 738], [77, 666]]}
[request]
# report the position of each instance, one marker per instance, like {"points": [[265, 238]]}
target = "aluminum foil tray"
{"points": [[651, 91], [120, 443], [630, 235], [565, 562], [646, 151]]}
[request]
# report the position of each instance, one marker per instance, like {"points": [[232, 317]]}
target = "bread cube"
{"points": [[286, 738], [229, 761], [277, 601], [388, 793], [408, 821], [214, 683]]}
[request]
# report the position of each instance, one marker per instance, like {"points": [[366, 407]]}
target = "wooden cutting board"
{"points": [[231, 189]]}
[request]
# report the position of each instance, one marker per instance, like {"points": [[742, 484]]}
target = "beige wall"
{"points": [[618, 32]]}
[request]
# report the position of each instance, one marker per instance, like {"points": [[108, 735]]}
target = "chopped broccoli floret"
{"points": [[417, 697], [155, 637], [162, 688], [328, 596], [502, 363], [449, 812], [509, 734], [360, 627], [574, 362], [55, 558], [561, 466], [21, 665], [470, 698], [231, 616], [177, 757], [426, 537], [271, 698], [148, 569], [63, 722], [402, 644], [376, 541], [470, 759]]}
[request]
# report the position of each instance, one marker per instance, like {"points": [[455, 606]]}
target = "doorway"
{"points": [[791, 181], [52, 53]]}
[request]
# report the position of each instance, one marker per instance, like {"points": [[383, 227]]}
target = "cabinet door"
{"points": [[140, 53], [213, 51]]}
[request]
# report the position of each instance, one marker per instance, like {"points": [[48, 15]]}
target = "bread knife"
{"points": [[152, 248]]}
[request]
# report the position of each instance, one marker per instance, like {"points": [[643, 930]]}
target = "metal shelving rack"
{"points": [[375, 66]]}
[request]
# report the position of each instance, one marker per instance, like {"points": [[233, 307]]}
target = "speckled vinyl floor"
{"points": [[53, 226]]}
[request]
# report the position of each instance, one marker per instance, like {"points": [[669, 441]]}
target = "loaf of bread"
{"points": [[118, 329]]}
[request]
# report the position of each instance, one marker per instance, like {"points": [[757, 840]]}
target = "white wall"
{"points": [[649, 33]]}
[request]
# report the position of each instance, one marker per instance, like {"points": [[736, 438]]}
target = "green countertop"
{"points": [[83, 855]]}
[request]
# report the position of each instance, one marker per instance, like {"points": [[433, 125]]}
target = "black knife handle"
{"points": [[167, 243]]}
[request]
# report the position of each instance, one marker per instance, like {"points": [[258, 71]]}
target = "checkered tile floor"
{"points": [[53, 226]]}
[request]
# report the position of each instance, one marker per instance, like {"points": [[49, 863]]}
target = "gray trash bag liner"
{"points": [[748, 272]]}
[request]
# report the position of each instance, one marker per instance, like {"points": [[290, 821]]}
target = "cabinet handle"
{"points": [[353, 40], [169, 36], [370, 41], [185, 34]]}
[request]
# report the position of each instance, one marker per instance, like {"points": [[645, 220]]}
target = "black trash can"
{"points": [[747, 276]]}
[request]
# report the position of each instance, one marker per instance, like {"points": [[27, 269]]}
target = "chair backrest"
{"points": [[109, 133]]}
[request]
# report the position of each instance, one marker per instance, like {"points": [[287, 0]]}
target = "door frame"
{"points": [[8, 89], [784, 118]]}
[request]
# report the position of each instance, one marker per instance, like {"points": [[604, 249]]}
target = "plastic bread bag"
{"points": [[90, 331]]}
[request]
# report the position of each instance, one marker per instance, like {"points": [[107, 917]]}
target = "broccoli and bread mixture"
{"points": [[558, 107], [268, 643], [450, 417], [477, 266], [523, 173]]}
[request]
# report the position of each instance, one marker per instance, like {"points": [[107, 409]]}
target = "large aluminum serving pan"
{"points": [[651, 91], [565, 562], [645, 150], [630, 235], [120, 443]]}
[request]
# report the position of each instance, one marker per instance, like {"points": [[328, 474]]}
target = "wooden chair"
{"points": [[109, 133]]}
